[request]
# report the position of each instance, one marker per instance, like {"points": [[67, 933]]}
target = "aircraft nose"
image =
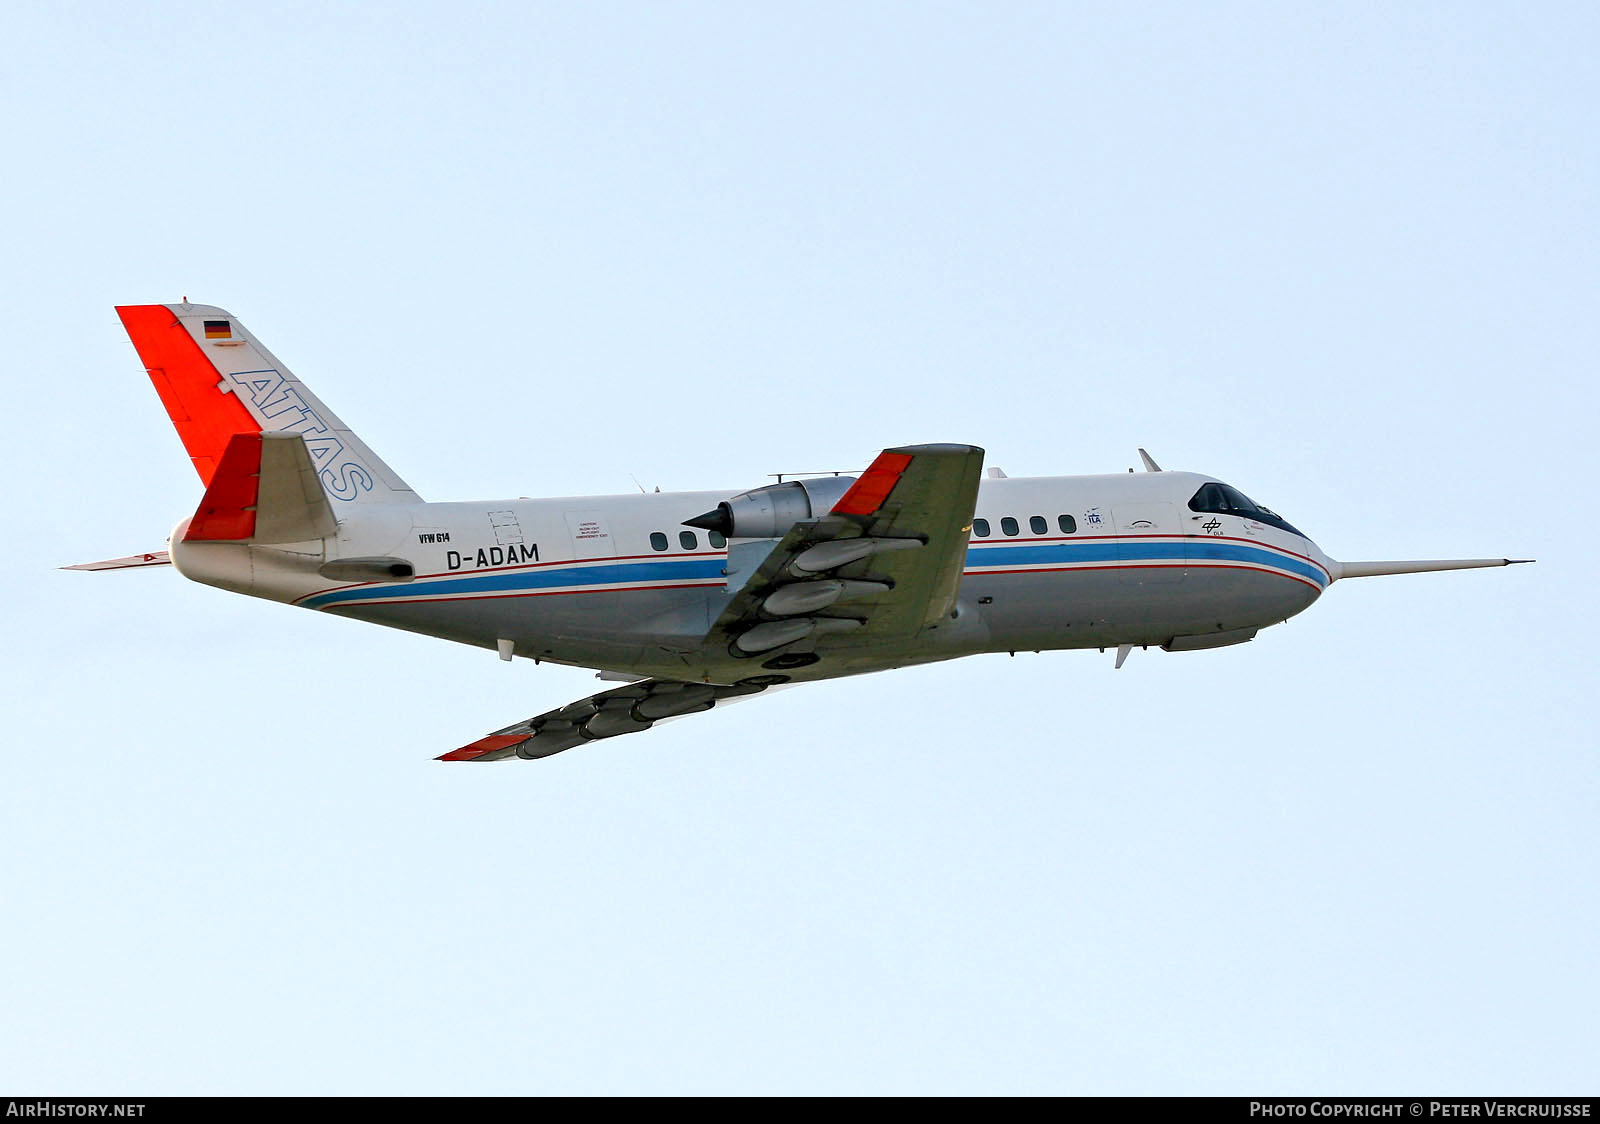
{"points": [[1319, 557]]}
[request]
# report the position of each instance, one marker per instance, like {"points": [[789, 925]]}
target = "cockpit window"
{"points": [[1225, 500]]}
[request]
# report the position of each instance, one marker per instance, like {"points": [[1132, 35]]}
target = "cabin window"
{"points": [[658, 541], [1037, 525], [980, 527], [1008, 525], [688, 540], [716, 540], [1068, 525]]}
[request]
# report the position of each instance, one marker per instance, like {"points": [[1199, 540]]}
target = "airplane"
{"points": [[693, 600]]}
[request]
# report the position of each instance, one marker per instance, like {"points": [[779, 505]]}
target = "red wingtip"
{"points": [[186, 380], [869, 491], [482, 746]]}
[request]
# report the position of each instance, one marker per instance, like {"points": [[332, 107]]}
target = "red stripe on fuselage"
{"points": [[1014, 540], [525, 566], [1262, 569], [701, 584], [1176, 564], [576, 562]]}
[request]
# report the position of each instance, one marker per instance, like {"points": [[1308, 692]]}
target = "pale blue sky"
{"points": [[1343, 256]]}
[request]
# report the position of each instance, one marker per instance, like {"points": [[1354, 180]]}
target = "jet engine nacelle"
{"points": [[768, 513]]}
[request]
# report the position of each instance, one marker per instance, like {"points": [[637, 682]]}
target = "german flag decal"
{"points": [[218, 330]]}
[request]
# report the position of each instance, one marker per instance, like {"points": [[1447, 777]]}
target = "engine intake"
{"points": [[768, 513]]}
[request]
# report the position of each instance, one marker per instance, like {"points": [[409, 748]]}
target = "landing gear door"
{"points": [[590, 536], [1150, 544]]}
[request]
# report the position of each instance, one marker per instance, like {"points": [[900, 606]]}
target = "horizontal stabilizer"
{"points": [[131, 562], [265, 490], [1423, 566]]}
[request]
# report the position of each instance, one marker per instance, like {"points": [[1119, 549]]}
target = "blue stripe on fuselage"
{"points": [[1133, 551], [531, 581], [512, 582]]}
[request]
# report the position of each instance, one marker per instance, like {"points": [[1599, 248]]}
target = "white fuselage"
{"points": [[619, 583]]}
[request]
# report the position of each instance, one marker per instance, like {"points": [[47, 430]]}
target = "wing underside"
{"points": [[621, 710]]}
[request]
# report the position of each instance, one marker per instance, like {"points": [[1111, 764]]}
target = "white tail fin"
{"points": [[216, 380]]}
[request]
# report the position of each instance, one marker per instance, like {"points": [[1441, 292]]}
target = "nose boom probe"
{"points": [[1420, 566]]}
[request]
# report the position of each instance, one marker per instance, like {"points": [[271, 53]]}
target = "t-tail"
{"points": [[217, 381], [278, 466]]}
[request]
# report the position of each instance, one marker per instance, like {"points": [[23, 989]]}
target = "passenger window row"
{"points": [[1036, 524], [688, 540]]}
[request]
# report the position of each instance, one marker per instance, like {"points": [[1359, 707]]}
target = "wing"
{"points": [[877, 570], [621, 710], [882, 565]]}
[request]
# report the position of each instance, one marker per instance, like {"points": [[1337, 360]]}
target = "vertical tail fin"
{"points": [[216, 380]]}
